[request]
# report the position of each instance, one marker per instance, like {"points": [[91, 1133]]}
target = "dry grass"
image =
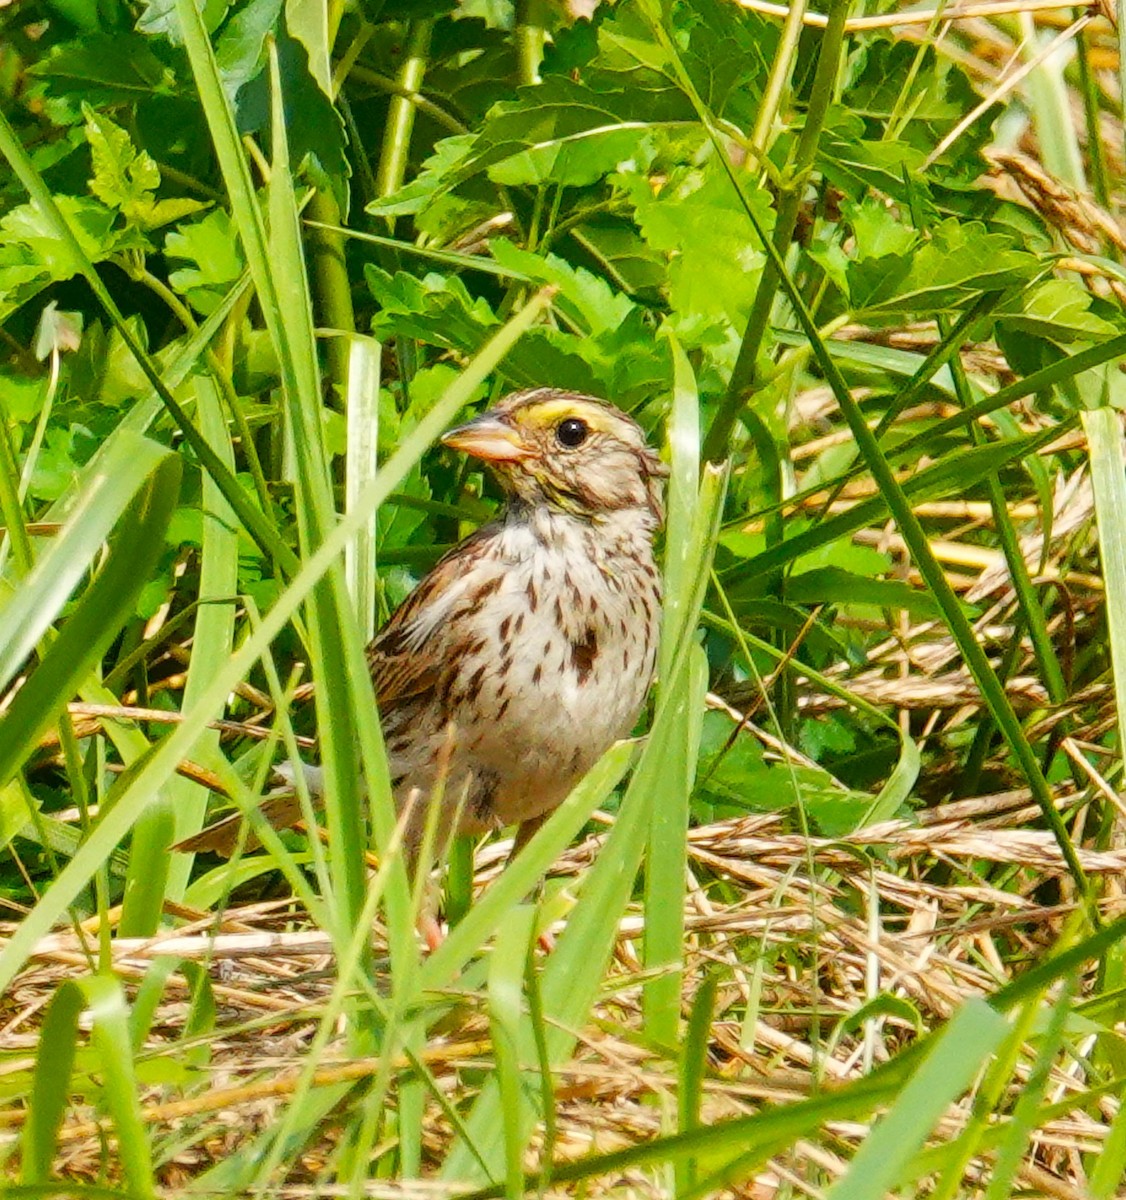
{"points": [[804, 931], [819, 925]]}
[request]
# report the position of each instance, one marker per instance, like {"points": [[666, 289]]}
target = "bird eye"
{"points": [[572, 432]]}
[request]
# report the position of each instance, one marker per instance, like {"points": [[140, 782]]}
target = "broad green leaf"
{"points": [[713, 252], [1056, 309], [212, 256], [589, 301], [959, 263], [105, 69], [126, 178], [92, 223], [835, 585]]}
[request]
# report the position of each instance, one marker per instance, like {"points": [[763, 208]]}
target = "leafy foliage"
{"points": [[795, 239]]}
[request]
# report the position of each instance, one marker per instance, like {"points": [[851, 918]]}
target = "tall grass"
{"points": [[464, 1064]]}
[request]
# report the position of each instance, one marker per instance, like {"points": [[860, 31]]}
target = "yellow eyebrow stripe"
{"points": [[551, 411]]}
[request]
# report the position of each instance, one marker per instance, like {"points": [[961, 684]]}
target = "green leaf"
{"points": [[961, 261], [699, 224], [435, 177], [436, 309], [924, 93], [211, 250], [313, 125], [725, 50], [560, 130], [1056, 309], [877, 230], [158, 18], [589, 301], [25, 226], [735, 776], [105, 69], [240, 50], [123, 177], [834, 585], [126, 178], [856, 164]]}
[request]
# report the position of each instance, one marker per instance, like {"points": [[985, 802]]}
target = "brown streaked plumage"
{"points": [[535, 637]]}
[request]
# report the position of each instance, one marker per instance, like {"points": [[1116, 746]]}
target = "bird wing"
{"points": [[409, 654]]}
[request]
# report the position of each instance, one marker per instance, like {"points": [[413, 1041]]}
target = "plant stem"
{"points": [[530, 38], [1089, 90], [400, 112], [395, 87], [781, 73], [220, 372], [744, 376], [10, 507], [331, 284]]}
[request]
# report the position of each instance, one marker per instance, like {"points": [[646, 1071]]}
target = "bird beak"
{"points": [[490, 438]]}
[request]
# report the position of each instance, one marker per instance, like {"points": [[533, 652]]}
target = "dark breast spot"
{"points": [[486, 589], [583, 654], [483, 794]]}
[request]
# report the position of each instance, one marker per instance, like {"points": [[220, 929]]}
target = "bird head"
{"points": [[567, 451]]}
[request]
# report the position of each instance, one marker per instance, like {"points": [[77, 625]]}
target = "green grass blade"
{"points": [[338, 660], [1110, 1166], [667, 856], [1103, 427], [142, 508], [362, 409], [155, 875], [102, 997], [108, 492], [507, 1021], [964, 1046], [693, 1070], [1026, 1115]]}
